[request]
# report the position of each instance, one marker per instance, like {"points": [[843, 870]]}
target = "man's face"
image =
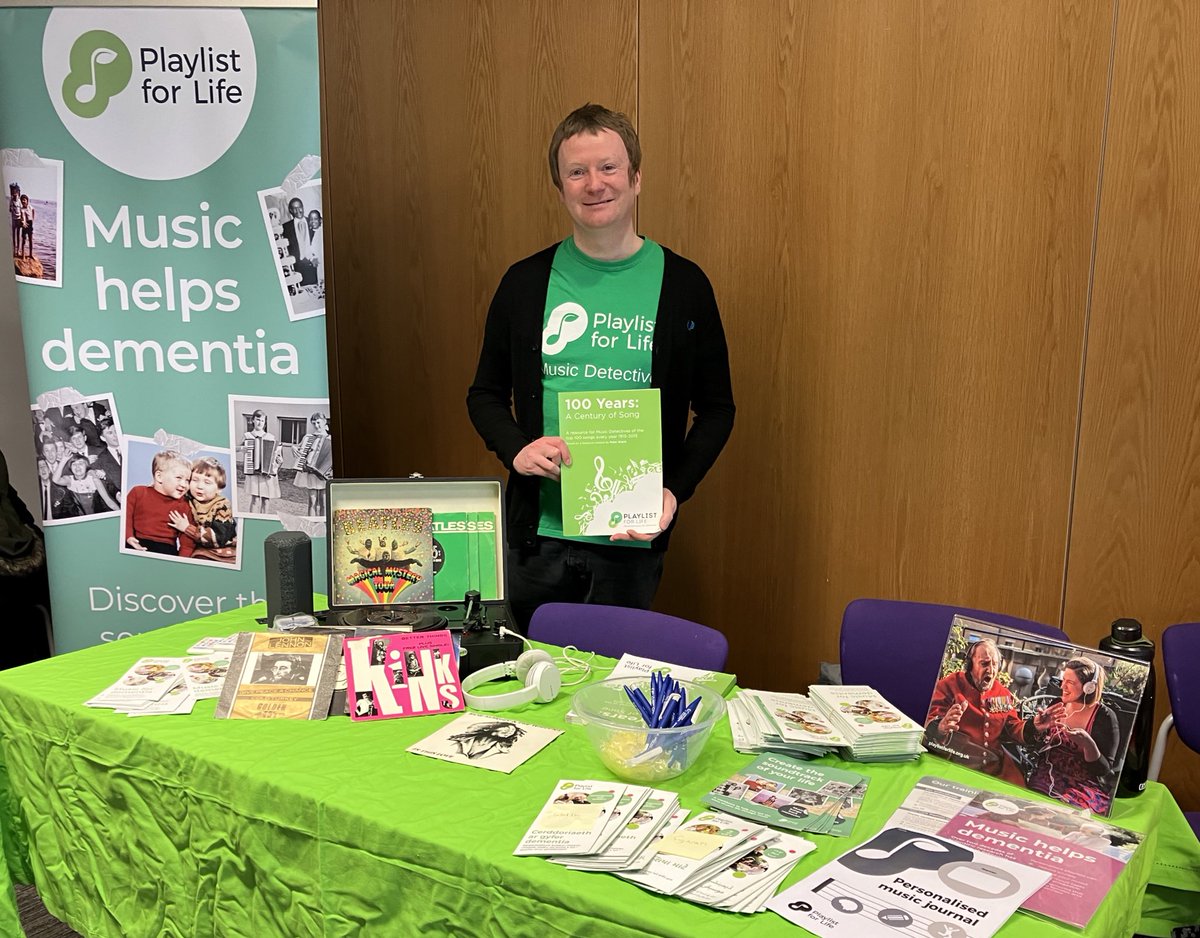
{"points": [[109, 435], [43, 469], [172, 480], [596, 188], [78, 441], [281, 670], [985, 665], [80, 410], [296, 208]]}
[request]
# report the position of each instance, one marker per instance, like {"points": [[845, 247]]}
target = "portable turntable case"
{"points": [[385, 573]]}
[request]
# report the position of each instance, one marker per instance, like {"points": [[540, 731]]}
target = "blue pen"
{"points": [[640, 703], [669, 709], [685, 718], [671, 712], [633, 700]]}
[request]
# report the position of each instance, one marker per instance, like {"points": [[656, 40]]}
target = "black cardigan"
{"points": [[689, 365]]}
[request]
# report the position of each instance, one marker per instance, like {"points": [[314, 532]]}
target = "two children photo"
{"points": [[181, 512]]}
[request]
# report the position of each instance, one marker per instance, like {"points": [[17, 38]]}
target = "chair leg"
{"points": [[1160, 747]]}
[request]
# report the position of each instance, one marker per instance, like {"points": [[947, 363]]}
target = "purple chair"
{"points": [[896, 647], [614, 630], [1180, 654]]}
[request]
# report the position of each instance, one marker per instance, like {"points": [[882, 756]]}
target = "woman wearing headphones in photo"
{"points": [[1075, 761]]}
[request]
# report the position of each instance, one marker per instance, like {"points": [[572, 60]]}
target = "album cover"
{"points": [[279, 675], [381, 556], [403, 674]]}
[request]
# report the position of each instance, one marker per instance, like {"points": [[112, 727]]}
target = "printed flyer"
{"points": [[904, 884], [614, 482], [785, 792], [1084, 854]]}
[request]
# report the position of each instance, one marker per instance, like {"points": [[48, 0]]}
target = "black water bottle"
{"points": [[1127, 639]]}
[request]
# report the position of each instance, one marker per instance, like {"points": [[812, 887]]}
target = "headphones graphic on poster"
{"points": [[152, 93]]}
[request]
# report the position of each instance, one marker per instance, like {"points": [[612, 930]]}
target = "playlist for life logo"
{"points": [[101, 67], [567, 322], [152, 93]]}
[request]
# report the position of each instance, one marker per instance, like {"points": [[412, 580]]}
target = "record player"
{"points": [[419, 554]]}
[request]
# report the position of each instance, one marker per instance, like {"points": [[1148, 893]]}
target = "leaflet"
{"points": [[572, 820], [636, 666], [785, 792], [746, 884], [692, 852], [1084, 854], [146, 682], [907, 884]]}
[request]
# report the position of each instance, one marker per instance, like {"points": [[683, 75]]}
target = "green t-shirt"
{"points": [[597, 335]]}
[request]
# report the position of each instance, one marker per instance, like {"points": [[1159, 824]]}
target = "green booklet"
{"points": [[464, 554], [788, 793], [614, 482]]}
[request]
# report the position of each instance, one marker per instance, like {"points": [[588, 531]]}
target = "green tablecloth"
{"points": [[190, 826]]}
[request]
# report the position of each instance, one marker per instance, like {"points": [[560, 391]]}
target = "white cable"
{"points": [[566, 663], [572, 665]]}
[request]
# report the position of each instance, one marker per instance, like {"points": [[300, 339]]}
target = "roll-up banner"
{"points": [[164, 195]]}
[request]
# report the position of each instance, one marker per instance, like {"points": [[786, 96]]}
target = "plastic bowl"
{"points": [[631, 750]]}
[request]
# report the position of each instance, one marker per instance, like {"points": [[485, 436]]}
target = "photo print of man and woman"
{"points": [[1052, 717], [284, 456], [34, 198], [176, 504], [79, 458], [296, 233]]}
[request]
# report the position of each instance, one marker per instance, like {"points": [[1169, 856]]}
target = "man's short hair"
{"points": [[167, 458], [591, 119]]}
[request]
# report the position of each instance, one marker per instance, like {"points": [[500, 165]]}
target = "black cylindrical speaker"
{"points": [[289, 574]]}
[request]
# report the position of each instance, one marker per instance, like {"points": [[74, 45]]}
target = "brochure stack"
{"points": [[799, 796], [787, 723], [642, 835], [877, 731]]}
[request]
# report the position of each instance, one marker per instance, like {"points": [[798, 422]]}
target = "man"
{"points": [[295, 229], [580, 309], [55, 500], [972, 714], [281, 673], [108, 459], [77, 419]]}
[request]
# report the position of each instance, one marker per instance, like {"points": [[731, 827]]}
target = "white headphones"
{"points": [[536, 668]]}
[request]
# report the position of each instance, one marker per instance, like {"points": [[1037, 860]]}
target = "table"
{"points": [[191, 826]]}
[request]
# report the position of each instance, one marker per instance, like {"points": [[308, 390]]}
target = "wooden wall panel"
{"points": [[895, 203], [437, 118], [1135, 536]]}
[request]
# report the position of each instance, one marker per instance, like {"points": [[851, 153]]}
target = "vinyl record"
{"points": [[400, 618]]}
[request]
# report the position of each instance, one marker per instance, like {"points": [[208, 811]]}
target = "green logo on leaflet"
{"points": [[101, 67], [614, 519]]}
